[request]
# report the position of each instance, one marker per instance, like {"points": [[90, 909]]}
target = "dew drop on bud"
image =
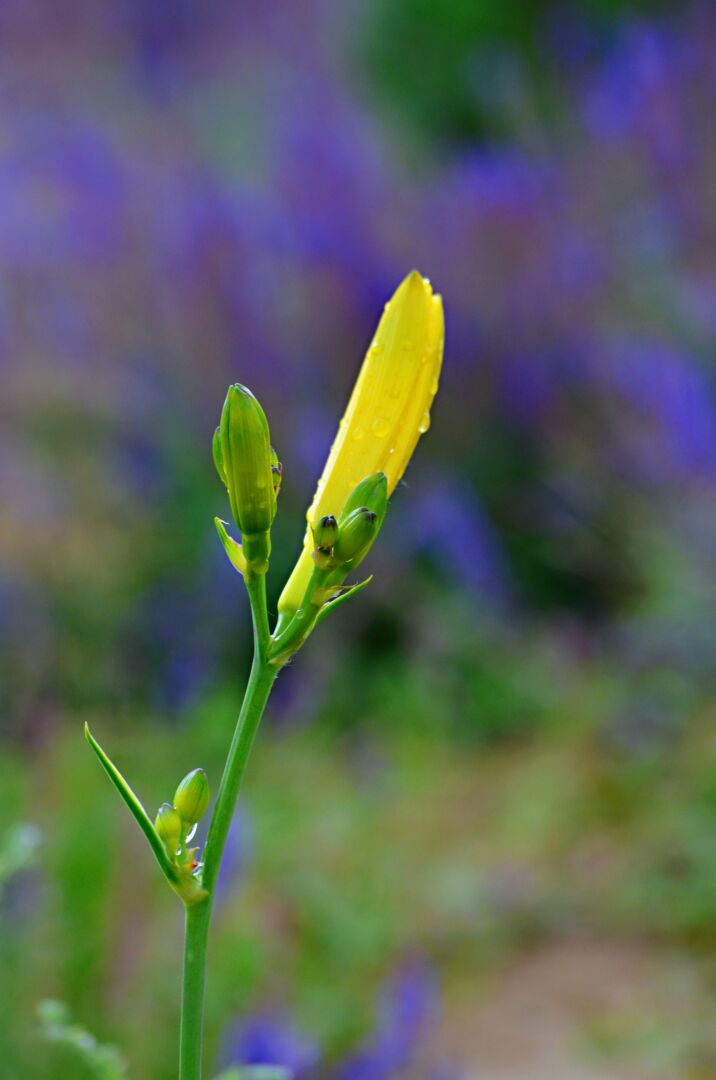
{"points": [[358, 434], [380, 427], [424, 423]]}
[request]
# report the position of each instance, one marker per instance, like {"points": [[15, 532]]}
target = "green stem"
{"points": [[198, 915]]}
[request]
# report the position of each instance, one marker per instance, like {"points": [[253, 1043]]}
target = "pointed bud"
{"points": [[371, 493], [325, 532], [191, 798], [276, 472], [168, 824], [246, 457], [355, 536]]}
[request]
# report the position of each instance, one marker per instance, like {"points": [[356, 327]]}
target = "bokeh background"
{"points": [[478, 834]]}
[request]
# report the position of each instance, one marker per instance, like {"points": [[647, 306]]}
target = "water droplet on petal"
{"points": [[424, 423], [380, 427], [392, 450], [376, 348], [434, 386], [408, 345], [358, 433]]}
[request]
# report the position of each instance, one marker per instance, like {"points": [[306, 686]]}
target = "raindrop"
{"points": [[424, 423], [380, 427], [358, 433], [434, 386], [376, 348], [408, 345]]}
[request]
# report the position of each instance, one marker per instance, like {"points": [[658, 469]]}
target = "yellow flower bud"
{"points": [[191, 798], [388, 411]]}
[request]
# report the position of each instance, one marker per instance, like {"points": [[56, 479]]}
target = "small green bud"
{"points": [[355, 535], [191, 798], [325, 532], [276, 472], [169, 825], [246, 459], [371, 493]]}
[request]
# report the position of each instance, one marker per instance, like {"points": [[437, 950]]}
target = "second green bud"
{"points": [[191, 799], [249, 467]]}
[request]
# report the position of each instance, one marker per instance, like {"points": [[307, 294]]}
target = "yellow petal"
{"points": [[388, 411]]}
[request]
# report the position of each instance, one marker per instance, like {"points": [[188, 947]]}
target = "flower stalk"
{"points": [[387, 412]]}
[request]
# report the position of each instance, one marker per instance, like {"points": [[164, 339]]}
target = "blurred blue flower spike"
{"points": [[270, 1040], [407, 1006]]}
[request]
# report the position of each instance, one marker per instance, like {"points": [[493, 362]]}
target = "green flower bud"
{"points": [[355, 535], [191, 798], [169, 825], [325, 532], [246, 461], [371, 493], [276, 472]]}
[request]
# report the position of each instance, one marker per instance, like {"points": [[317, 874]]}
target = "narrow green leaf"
{"points": [[136, 809], [341, 599]]}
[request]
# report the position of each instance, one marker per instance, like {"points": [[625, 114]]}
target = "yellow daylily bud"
{"points": [[168, 824], [191, 798], [388, 411]]}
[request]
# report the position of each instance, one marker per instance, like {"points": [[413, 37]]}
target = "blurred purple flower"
{"points": [[271, 1039], [448, 523], [406, 1007]]}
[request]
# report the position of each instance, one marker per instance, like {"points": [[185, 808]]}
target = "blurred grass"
{"points": [[367, 844]]}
